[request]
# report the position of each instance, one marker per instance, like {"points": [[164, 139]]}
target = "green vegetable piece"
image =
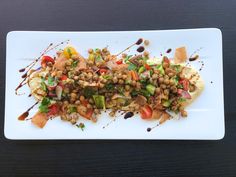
{"points": [[51, 81], [99, 101], [127, 58], [74, 63], [81, 126], [160, 68], [89, 92], [132, 66], [109, 86], [107, 77], [141, 69], [134, 93], [177, 68], [166, 103], [145, 93], [43, 107], [43, 86], [181, 100], [151, 89], [72, 109]]}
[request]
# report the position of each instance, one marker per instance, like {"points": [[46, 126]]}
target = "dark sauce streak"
{"points": [[140, 49], [26, 113], [31, 65], [169, 50], [20, 85], [109, 123], [128, 115], [194, 58], [150, 129], [139, 41], [22, 70], [24, 75]]}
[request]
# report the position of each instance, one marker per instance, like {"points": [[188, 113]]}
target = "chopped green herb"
{"points": [[109, 86], [81, 126], [145, 93], [132, 66], [127, 58], [74, 63], [181, 100], [134, 93], [43, 107], [72, 109], [69, 51], [120, 90], [89, 92], [107, 77], [51, 81], [177, 68], [43, 85]]}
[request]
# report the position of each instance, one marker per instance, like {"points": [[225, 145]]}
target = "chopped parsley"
{"points": [[109, 86], [72, 109], [132, 66], [43, 85], [43, 107], [51, 81], [74, 63], [81, 126], [107, 77], [127, 58]]}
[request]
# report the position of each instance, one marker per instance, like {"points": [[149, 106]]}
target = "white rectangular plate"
{"points": [[205, 119]]}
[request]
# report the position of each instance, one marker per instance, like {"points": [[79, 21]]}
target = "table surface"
{"points": [[121, 158]]}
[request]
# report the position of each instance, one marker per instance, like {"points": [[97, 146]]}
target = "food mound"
{"points": [[72, 86]]}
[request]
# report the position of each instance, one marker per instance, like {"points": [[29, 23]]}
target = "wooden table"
{"points": [[122, 158]]}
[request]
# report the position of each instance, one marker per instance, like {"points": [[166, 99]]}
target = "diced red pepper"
{"points": [[184, 94], [102, 70], [85, 102], [147, 67], [119, 62], [63, 77], [45, 60], [185, 83], [146, 112], [53, 110]]}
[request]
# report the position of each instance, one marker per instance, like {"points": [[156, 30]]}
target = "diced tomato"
{"points": [[85, 112], [85, 102], [146, 112], [184, 94], [134, 75], [147, 67], [102, 70], [119, 62], [46, 59], [185, 83], [53, 110], [89, 113], [63, 77]]}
